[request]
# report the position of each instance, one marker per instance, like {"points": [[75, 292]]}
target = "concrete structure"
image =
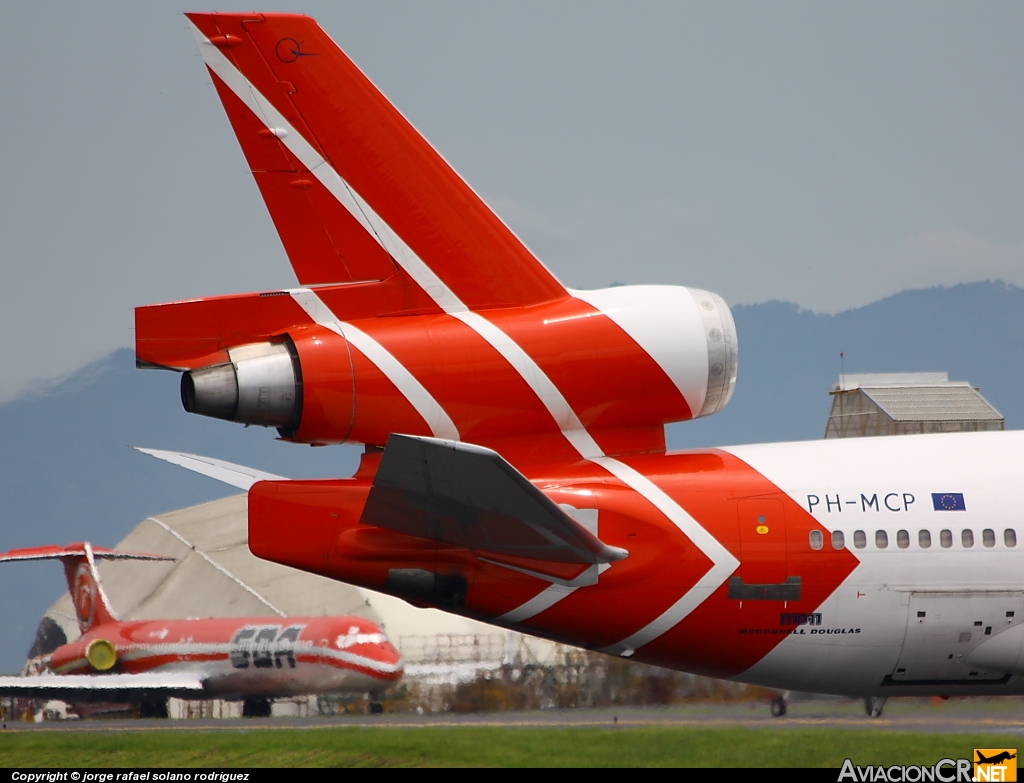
{"points": [[907, 404]]}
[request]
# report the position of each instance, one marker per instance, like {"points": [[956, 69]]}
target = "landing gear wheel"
{"points": [[256, 708], [376, 708], [873, 706], [778, 707]]}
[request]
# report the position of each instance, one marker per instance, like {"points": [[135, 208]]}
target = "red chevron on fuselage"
{"points": [[655, 602]]}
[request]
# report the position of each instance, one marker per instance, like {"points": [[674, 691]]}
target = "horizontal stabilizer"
{"points": [[79, 560], [469, 496], [228, 472], [74, 551], [103, 687]]}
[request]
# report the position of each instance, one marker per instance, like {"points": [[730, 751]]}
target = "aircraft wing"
{"points": [[104, 687], [469, 496], [228, 472]]}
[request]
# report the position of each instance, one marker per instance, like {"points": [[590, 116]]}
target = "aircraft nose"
{"points": [[390, 653]]}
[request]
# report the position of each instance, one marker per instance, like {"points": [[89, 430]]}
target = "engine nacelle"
{"points": [[627, 360], [689, 332]]}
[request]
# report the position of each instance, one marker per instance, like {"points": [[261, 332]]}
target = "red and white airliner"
{"points": [[515, 468], [249, 659]]}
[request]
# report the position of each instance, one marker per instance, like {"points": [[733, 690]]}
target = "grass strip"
{"points": [[649, 746]]}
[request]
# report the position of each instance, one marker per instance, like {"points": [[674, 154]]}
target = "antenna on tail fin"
{"points": [[92, 608]]}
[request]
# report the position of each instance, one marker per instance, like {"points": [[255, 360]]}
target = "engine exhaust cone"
{"points": [[211, 391]]}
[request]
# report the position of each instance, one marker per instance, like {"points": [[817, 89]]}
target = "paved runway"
{"points": [[994, 716]]}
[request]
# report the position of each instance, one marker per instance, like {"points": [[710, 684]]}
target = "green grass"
{"points": [[486, 746]]}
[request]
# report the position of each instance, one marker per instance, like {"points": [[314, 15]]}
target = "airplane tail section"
{"points": [[92, 608], [355, 191]]}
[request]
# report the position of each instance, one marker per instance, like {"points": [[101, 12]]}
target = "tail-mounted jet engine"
{"points": [[627, 360], [262, 384]]}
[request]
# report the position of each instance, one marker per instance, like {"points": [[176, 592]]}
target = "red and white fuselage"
{"points": [[239, 658], [931, 599], [230, 658]]}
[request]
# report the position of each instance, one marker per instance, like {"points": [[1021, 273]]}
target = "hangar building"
{"points": [[907, 404]]}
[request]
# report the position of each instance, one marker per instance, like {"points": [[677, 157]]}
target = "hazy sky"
{"points": [[823, 153]]}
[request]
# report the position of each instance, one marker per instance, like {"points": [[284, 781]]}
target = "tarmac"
{"points": [[956, 716]]}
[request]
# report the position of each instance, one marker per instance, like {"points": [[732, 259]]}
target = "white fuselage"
{"points": [[937, 601]]}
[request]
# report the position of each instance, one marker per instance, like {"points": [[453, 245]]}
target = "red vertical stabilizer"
{"points": [[354, 189]]}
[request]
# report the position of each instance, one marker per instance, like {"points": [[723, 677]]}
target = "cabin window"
{"points": [[859, 539], [838, 539], [924, 539], [945, 539], [1010, 537], [881, 539], [817, 539], [967, 538], [902, 539], [988, 537]]}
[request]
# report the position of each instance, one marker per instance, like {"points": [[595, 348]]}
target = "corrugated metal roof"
{"points": [[873, 380], [946, 402]]}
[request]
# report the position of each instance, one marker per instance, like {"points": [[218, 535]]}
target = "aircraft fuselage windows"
{"points": [[903, 539]]}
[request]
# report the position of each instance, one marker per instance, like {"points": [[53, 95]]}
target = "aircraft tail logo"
{"points": [[91, 605], [83, 595]]}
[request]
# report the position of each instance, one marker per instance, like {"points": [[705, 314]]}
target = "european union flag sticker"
{"points": [[948, 501]]}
